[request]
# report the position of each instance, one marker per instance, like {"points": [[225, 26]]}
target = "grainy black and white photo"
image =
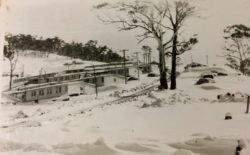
{"points": [[125, 77]]}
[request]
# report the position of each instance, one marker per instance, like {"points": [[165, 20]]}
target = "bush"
{"points": [[202, 81]]}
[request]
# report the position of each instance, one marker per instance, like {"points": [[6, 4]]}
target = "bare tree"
{"points": [[237, 49], [160, 21], [11, 54], [177, 14], [147, 17]]}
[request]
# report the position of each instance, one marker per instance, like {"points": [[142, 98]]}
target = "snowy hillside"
{"points": [[32, 64], [186, 121], [36, 64]]}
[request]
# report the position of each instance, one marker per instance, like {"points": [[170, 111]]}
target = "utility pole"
{"points": [[144, 59], [96, 89], [248, 102], [95, 80], [22, 74], [149, 57], [137, 65], [116, 72], [124, 65], [207, 59]]}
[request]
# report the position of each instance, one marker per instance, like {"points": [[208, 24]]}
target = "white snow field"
{"points": [[36, 64], [186, 121]]}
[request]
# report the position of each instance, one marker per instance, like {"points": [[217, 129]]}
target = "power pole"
{"points": [[124, 65], [96, 89], [95, 80], [150, 66], [144, 59], [248, 102], [207, 59], [137, 65]]}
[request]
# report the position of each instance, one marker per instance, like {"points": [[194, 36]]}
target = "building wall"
{"points": [[113, 80], [45, 93], [88, 89], [99, 80], [81, 87], [134, 72]]}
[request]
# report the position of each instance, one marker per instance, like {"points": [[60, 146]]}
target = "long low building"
{"points": [[68, 75], [83, 85], [39, 93], [81, 80]]}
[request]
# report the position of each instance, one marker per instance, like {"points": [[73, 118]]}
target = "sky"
{"points": [[75, 20]]}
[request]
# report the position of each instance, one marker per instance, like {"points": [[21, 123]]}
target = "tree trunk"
{"points": [[242, 67], [163, 78], [11, 75], [173, 70]]}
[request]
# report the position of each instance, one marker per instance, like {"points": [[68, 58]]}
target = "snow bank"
{"points": [[222, 69], [158, 99], [183, 152], [135, 147], [232, 97], [208, 146], [20, 114], [24, 124], [9, 146], [134, 90], [97, 148]]}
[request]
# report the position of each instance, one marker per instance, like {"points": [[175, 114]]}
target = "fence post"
{"points": [[248, 102]]}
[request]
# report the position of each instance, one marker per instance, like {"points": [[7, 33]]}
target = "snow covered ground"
{"points": [[186, 121], [36, 64]]}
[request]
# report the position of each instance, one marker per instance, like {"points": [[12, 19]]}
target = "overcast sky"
{"points": [[75, 20]]}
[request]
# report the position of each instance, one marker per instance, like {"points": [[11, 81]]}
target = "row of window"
{"points": [[69, 77], [93, 80], [41, 92]]}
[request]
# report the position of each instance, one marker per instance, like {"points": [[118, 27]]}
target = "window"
{"points": [[33, 93], [49, 91], [102, 79], [58, 89], [41, 92]]}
